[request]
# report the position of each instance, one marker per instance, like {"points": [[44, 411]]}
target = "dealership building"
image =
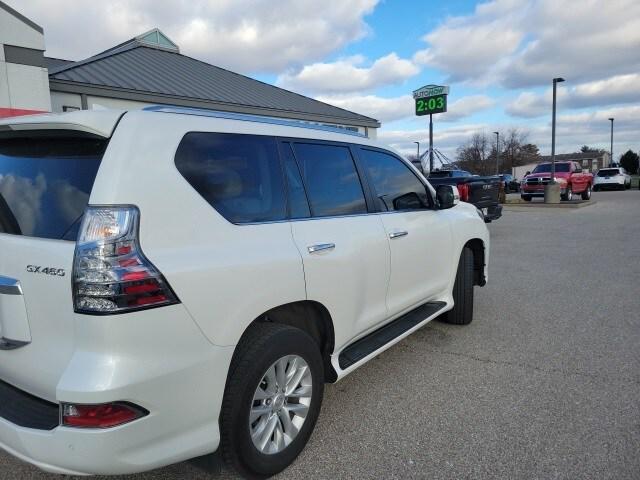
{"points": [[146, 70]]}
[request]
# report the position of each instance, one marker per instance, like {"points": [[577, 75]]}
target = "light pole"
{"points": [[552, 189], [497, 152], [611, 151], [418, 144]]}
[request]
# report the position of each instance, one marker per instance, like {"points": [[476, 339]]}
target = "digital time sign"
{"points": [[431, 99], [429, 105]]}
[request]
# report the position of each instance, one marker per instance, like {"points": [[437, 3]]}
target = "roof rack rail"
{"points": [[250, 118]]}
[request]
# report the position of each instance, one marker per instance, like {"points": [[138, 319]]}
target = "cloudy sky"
{"points": [[368, 55]]}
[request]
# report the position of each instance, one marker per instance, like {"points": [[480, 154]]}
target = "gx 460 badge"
{"points": [[58, 272]]}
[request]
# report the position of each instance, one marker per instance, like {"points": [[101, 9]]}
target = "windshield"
{"points": [[45, 182], [546, 168], [609, 172]]}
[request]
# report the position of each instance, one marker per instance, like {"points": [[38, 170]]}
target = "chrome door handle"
{"points": [[319, 247], [402, 233], [10, 286]]}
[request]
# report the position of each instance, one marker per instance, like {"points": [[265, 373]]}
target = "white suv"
{"points": [[617, 178], [174, 281]]}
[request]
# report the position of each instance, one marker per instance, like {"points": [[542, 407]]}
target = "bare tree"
{"points": [[473, 155]]}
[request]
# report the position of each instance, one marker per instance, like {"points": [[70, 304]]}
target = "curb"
{"points": [[563, 205]]}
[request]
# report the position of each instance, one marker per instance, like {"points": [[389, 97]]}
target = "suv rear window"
{"points": [[609, 172], [239, 175], [45, 181]]}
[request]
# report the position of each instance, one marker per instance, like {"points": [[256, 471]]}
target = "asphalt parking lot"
{"points": [[545, 383]]}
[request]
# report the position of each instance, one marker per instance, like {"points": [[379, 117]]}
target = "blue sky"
{"points": [[497, 56]]}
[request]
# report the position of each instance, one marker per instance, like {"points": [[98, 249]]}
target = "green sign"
{"points": [[429, 105]]}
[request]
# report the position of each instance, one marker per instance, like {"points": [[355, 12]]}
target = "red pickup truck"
{"points": [[572, 179]]}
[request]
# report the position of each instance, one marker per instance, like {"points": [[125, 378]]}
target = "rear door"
{"points": [[46, 178], [419, 236], [344, 248]]}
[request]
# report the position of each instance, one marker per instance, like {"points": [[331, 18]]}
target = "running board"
{"points": [[375, 340]]}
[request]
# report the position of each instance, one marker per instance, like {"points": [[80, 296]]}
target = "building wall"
{"points": [[22, 87]]}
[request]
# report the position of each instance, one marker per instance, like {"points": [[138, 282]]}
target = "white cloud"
{"points": [[521, 44], [398, 108], [383, 109], [469, 47], [614, 90], [243, 35], [573, 131], [348, 75]]}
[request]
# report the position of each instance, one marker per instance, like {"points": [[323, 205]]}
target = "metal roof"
{"points": [[157, 75]]}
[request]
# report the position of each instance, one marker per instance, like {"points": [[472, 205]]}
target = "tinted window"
{"points": [[440, 174], [546, 167], [239, 175], [396, 187], [298, 205], [609, 172], [45, 182], [332, 182]]}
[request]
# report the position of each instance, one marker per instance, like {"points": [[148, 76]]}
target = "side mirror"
{"points": [[447, 196]]}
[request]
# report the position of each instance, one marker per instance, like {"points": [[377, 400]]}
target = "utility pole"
{"points": [[611, 150], [552, 189], [430, 143], [497, 152]]}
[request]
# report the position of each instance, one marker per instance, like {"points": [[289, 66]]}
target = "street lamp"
{"points": [[418, 144], [497, 152], [611, 151], [552, 189]]}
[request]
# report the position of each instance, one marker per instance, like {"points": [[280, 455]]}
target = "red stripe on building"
{"points": [[16, 112]]}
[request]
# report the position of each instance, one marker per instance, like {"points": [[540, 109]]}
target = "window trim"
{"points": [[404, 162]]}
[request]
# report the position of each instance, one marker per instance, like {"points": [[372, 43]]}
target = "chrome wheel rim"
{"points": [[280, 404], [569, 194]]}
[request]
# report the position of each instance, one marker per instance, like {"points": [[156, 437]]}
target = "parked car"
{"points": [[483, 192], [510, 183], [570, 176], [612, 178], [176, 281]]}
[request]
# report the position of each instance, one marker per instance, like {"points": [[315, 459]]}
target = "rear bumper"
{"points": [[610, 184], [175, 374], [493, 213]]}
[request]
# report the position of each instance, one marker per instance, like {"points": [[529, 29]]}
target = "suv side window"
{"points": [[332, 181], [239, 175], [396, 187]]}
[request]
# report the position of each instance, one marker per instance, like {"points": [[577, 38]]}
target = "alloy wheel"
{"points": [[280, 404]]}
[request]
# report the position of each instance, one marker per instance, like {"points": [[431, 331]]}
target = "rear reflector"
{"points": [[111, 274], [106, 415]]}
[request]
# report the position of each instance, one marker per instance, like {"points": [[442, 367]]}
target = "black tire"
{"points": [[627, 186], [259, 348], [595, 188], [568, 195], [526, 198], [586, 194], [462, 312]]}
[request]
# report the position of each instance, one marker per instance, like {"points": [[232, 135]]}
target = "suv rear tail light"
{"points": [[110, 272], [463, 188], [106, 415]]}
